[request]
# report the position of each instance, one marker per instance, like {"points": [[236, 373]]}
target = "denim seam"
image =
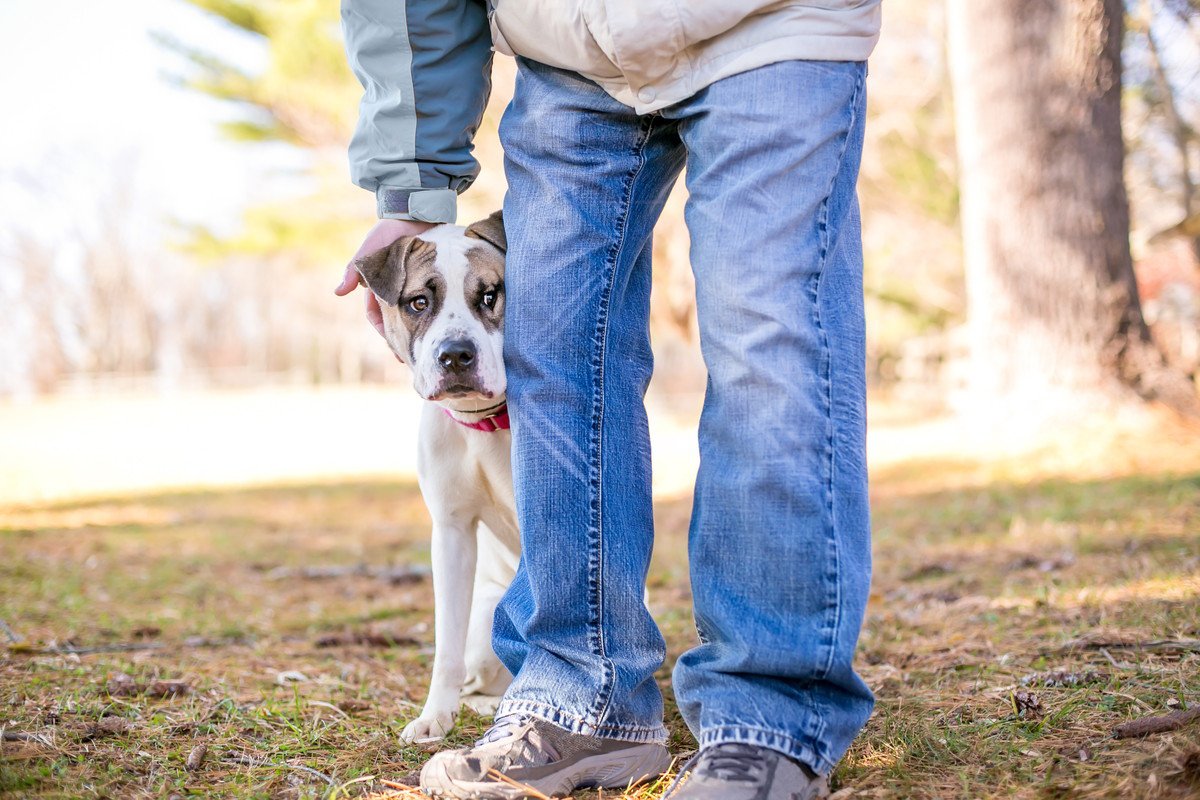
{"points": [[827, 379], [600, 352], [574, 724], [808, 752]]}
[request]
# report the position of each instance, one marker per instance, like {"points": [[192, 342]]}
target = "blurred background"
{"points": [[175, 208], [203, 551]]}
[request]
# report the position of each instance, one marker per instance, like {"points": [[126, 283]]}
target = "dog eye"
{"points": [[489, 298], [418, 304]]}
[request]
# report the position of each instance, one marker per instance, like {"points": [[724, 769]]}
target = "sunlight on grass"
{"points": [[1065, 586], [1180, 588]]}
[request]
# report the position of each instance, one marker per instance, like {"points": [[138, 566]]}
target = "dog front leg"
{"points": [[453, 550], [487, 678]]}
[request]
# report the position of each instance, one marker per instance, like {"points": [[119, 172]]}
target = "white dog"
{"points": [[442, 296]]}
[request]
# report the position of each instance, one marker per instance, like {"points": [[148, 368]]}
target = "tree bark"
{"points": [[1054, 318]]}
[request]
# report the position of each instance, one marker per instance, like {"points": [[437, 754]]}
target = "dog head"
{"points": [[442, 297]]}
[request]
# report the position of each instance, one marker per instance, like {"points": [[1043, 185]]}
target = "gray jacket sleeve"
{"points": [[425, 67]]}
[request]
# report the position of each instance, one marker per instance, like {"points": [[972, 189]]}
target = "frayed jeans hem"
{"points": [[573, 724], [804, 752]]}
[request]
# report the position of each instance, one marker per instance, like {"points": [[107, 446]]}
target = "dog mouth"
{"points": [[458, 391]]}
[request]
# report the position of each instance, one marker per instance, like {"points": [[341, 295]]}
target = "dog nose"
{"points": [[457, 356]]}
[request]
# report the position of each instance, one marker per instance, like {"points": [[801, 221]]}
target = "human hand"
{"points": [[383, 233]]}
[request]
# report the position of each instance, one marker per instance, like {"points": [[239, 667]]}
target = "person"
{"points": [[764, 103]]}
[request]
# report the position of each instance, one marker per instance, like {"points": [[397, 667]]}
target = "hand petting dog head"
{"points": [[442, 298]]}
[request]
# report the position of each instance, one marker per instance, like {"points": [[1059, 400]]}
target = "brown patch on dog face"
{"points": [[403, 277], [422, 294], [485, 281], [383, 270], [491, 230]]}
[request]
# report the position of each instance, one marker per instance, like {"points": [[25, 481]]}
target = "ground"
{"points": [[1022, 608]]}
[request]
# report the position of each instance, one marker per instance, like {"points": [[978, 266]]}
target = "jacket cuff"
{"points": [[422, 205]]}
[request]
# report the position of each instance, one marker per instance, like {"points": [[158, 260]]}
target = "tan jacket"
{"points": [[650, 54], [424, 66]]}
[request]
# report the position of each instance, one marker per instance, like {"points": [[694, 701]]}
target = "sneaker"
{"points": [[522, 756], [734, 771]]}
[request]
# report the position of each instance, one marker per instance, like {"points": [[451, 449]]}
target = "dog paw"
{"points": [[482, 704], [427, 728]]}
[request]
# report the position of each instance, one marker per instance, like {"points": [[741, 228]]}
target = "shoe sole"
{"points": [[610, 771]]}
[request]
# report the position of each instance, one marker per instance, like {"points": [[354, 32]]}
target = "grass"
{"points": [[982, 588]]}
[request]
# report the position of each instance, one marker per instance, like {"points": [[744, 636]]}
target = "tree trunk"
{"points": [[1053, 312]]}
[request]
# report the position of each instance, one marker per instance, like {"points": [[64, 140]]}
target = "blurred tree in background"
{"points": [[304, 97], [1053, 308], [1162, 115], [908, 187], [1163, 103]]}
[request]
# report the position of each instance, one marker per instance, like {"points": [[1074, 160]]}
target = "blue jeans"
{"points": [[779, 543]]}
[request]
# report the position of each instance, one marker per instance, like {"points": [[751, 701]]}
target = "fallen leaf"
{"points": [[166, 689], [195, 759], [121, 685], [107, 726], [113, 724], [1062, 677], [351, 706], [1027, 705]]}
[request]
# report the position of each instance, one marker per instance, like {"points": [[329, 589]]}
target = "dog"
{"points": [[442, 298]]}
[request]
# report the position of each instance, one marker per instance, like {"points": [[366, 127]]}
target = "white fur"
{"points": [[454, 321], [466, 478]]}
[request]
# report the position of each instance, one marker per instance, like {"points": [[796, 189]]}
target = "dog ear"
{"points": [[383, 270], [491, 230]]}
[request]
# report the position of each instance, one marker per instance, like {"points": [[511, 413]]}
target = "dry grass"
{"points": [[1013, 579]]}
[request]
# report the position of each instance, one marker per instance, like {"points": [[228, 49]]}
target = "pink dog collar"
{"points": [[497, 421]]}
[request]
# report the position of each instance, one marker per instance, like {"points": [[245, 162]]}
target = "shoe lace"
{"points": [[510, 725], [732, 761]]}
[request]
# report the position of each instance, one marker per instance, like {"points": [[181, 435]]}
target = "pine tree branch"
{"points": [[245, 16]]}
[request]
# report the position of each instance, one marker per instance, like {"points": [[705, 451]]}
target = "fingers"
{"points": [[384, 232], [374, 313], [350, 281]]}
